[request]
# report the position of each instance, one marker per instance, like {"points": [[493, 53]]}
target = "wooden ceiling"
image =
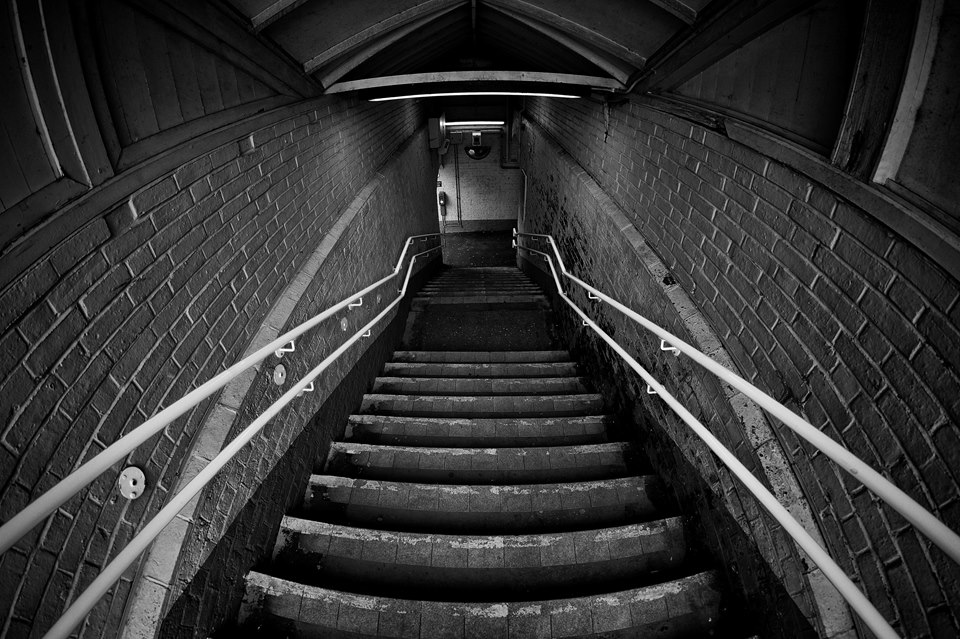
{"points": [[389, 46]]}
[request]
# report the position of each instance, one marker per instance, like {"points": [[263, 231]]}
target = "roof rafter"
{"points": [[713, 37], [373, 31], [614, 66], [570, 27], [363, 53]]}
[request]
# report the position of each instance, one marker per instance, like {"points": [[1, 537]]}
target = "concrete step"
{"points": [[476, 432], [482, 302], [464, 565], [482, 406], [685, 607], [481, 357], [443, 288], [524, 283], [462, 386], [478, 370], [472, 291], [448, 508], [541, 464]]}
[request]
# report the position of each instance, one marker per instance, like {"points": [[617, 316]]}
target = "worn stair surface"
{"points": [[482, 491]]}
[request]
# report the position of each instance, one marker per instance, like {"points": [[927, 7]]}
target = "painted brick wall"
{"points": [[758, 558], [398, 206], [489, 194], [818, 304], [139, 306]]}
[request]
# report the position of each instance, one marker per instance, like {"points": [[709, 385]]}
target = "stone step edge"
{"points": [[477, 357], [695, 599]]}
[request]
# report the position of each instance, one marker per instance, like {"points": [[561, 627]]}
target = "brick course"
{"points": [[137, 307], [817, 303]]}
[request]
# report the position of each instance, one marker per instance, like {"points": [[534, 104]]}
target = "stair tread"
{"points": [[321, 552], [480, 369], [478, 431], [539, 464], [482, 405], [675, 608], [461, 386], [470, 357]]}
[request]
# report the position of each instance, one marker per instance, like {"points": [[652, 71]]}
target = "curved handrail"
{"points": [[115, 569], [854, 597], [925, 522], [38, 510]]}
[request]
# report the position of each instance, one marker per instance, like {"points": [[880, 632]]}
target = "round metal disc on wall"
{"points": [[132, 482], [279, 375]]}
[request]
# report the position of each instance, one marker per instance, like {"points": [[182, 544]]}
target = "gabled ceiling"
{"points": [[387, 47]]}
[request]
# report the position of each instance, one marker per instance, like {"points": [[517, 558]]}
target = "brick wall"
{"points": [[142, 304], [400, 204], [489, 194], [818, 304]]}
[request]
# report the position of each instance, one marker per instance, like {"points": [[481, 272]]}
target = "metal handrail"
{"points": [[115, 569], [942, 535], [43, 506], [926, 522]]}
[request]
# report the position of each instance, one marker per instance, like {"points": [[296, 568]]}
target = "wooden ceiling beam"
{"points": [[608, 84], [361, 54], [715, 35], [571, 28], [274, 12], [612, 65]]}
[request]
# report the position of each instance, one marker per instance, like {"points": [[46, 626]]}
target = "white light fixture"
{"points": [[448, 95], [474, 123]]}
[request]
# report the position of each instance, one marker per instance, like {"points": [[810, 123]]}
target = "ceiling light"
{"points": [[462, 93], [475, 123]]}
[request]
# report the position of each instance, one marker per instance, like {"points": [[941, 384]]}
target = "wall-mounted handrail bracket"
{"points": [[287, 348], [651, 390], [666, 347], [367, 334], [307, 389], [592, 296], [359, 302]]}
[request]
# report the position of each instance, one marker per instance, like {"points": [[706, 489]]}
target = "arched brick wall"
{"points": [[817, 302]]}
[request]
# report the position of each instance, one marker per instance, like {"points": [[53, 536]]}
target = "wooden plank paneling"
{"points": [[794, 77], [154, 51], [123, 62], [29, 162], [182, 57]]}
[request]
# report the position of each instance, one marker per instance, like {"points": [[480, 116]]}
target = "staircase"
{"points": [[481, 491]]}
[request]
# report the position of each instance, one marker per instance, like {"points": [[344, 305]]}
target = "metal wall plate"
{"points": [[132, 482], [279, 375]]}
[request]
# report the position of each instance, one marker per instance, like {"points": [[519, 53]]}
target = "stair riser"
{"points": [[479, 406], [482, 303], [487, 387], [482, 357], [414, 369], [486, 433], [507, 466], [347, 573], [517, 509]]}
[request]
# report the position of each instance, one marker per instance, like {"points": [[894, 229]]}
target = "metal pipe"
{"points": [[857, 600], [925, 522], [38, 510]]}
